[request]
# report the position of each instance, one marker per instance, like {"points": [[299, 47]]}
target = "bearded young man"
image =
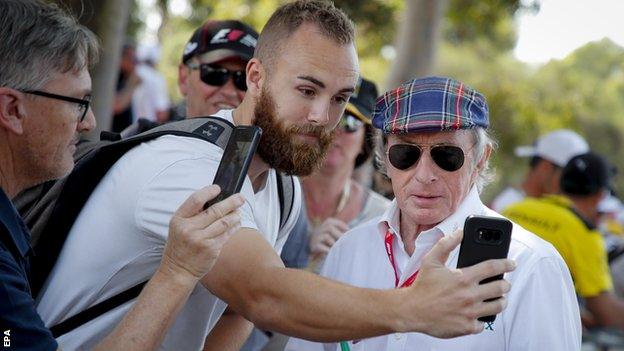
{"points": [[304, 70]]}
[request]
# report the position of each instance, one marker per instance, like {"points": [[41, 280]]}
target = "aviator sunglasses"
{"points": [[218, 76], [448, 157]]}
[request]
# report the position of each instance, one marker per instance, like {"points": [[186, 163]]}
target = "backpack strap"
{"points": [[286, 194], [97, 310]]}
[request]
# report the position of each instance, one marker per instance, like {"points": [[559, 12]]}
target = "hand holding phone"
{"points": [[485, 238], [235, 162]]}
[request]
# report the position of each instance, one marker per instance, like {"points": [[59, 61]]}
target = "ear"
{"points": [[486, 156], [256, 77], [183, 77], [12, 110]]}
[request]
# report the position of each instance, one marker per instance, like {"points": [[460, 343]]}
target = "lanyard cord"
{"points": [[389, 245]]}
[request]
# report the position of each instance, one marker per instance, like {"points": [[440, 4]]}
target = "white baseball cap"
{"points": [[557, 147]]}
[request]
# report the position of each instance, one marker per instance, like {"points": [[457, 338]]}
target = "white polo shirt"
{"points": [[542, 311], [118, 239]]}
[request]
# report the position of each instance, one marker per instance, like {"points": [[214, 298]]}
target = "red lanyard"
{"points": [[389, 243]]}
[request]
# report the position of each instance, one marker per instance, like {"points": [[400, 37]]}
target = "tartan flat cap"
{"points": [[430, 104]]}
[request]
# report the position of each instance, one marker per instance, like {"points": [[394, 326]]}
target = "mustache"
{"points": [[316, 131]]}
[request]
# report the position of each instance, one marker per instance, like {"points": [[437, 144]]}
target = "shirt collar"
{"points": [[471, 205], [16, 229]]}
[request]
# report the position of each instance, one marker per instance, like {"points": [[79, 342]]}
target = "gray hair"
{"points": [[37, 40], [482, 140]]}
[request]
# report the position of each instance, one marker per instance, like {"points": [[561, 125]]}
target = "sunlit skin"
{"points": [[39, 134], [203, 99], [426, 193], [311, 83], [52, 128]]}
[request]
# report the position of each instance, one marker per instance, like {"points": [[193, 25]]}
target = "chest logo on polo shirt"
{"points": [[489, 326]]}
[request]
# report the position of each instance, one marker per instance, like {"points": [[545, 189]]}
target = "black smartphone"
{"points": [[485, 238], [235, 162]]}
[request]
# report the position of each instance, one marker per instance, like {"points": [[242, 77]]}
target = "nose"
{"points": [[424, 171], [319, 113], [88, 123], [230, 92]]}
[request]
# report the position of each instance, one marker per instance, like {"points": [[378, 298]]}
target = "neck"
{"points": [[323, 191], [410, 231], [12, 181], [243, 115], [586, 207]]}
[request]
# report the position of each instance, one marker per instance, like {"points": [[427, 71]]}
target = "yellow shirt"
{"points": [[580, 245]]}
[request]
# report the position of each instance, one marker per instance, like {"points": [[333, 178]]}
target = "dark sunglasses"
{"points": [[349, 123], [218, 76], [448, 157], [83, 104]]}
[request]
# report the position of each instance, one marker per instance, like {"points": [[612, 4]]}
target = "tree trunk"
{"points": [[108, 19], [417, 40]]}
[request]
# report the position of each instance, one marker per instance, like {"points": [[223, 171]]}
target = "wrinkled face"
{"points": [[309, 84], [425, 193], [51, 127], [345, 148], [203, 99]]}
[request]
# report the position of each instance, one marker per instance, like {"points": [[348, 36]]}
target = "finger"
{"points": [[328, 240], [221, 226], [489, 268], [335, 233], [195, 203], [336, 223], [493, 289], [218, 210], [441, 250], [491, 308]]}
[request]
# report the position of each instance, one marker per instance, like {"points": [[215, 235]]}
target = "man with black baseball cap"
{"points": [[568, 221], [212, 72]]}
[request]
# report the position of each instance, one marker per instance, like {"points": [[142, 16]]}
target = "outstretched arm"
{"points": [[443, 302]]}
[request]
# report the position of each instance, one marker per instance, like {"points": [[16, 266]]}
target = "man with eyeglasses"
{"points": [[435, 150]]}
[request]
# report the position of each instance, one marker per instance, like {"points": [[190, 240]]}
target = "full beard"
{"points": [[277, 146]]}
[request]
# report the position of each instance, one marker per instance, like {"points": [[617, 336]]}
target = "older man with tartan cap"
{"points": [[435, 148]]}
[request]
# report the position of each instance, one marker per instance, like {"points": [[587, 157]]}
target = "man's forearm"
{"points": [[230, 332], [295, 302], [145, 325]]}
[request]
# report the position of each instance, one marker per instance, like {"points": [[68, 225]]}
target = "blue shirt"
{"points": [[21, 328]]}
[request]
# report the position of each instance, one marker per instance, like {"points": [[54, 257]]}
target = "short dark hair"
{"points": [[332, 22], [38, 39]]}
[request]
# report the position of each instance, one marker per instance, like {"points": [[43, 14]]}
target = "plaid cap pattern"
{"points": [[430, 104]]}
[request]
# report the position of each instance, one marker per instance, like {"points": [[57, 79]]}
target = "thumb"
{"points": [[441, 250]]}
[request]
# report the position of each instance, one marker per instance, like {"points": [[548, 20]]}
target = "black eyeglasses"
{"points": [[349, 123], [83, 104], [218, 76], [448, 157]]}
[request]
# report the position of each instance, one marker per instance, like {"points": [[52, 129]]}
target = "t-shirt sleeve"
{"points": [[167, 190], [20, 324]]}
